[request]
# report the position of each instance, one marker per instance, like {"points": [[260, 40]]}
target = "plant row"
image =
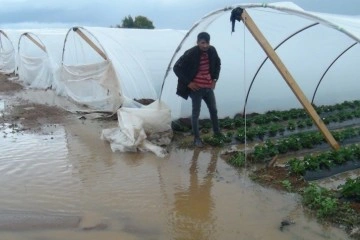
{"points": [[265, 151], [272, 129], [324, 160], [274, 123], [331, 113]]}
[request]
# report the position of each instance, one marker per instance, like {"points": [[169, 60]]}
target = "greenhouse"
{"points": [[321, 52], [106, 68], [99, 68]]}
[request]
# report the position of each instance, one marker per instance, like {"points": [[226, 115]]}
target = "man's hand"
{"points": [[193, 86], [213, 84]]}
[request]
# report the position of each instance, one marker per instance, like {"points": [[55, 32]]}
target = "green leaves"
{"points": [[351, 188], [324, 160], [139, 22], [321, 200], [219, 139], [238, 159]]}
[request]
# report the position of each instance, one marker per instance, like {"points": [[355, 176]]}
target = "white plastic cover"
{"points": [[8, 41], [141, 129], [39, 56], [92, 85], [307, 55], [139, 58]]}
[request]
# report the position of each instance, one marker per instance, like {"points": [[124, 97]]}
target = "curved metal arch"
{"points": [[261, 65], [36, 41], [104, 55], [328, 68]]}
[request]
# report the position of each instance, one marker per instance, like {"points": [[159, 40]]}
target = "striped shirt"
{"points": [[203, 77]]}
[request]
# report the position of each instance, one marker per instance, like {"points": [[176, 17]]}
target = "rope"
{"points": [[245, 91]]}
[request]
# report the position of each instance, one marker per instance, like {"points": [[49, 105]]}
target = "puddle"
{"points": [[68, 170]]}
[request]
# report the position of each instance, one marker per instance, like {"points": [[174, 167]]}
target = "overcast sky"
{"points": [[176, 14]]}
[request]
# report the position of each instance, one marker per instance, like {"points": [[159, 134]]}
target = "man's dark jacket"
{"points": [[187, 66]]}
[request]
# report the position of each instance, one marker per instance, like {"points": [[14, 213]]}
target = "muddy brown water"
{"points": [[64, 182]]}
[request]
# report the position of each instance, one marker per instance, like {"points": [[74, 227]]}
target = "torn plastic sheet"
{"points": [[145, 129]]}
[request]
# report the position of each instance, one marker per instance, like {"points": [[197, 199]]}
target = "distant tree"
{"points": [[128, 22], [139, 22], [143, 22]]}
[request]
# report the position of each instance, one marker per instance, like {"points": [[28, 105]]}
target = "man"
{"points": [[198, 70]]}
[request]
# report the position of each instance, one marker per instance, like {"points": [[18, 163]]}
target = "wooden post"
{"points": [[35, 42], [250, 24], [96, 48], [1, 31]]}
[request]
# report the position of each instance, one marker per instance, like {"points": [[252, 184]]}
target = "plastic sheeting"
{"points": [[143, 129], [139, 58], [134, 65], [39, 57], [8, 40], [91, 85], [315, 41]]}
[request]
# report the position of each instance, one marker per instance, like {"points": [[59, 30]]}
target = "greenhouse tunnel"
{"points": [[307, 43], [127, 64]]}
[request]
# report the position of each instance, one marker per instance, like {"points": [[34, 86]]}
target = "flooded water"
{"points": [[66, 183]]}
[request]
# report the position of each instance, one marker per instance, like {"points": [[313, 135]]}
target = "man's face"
{"points": [[203, 45]]}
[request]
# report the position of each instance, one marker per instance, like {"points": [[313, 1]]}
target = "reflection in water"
{"points": [[194, 205]]}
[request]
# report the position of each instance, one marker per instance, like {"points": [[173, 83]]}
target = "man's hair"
{"points": [[203, 36]]}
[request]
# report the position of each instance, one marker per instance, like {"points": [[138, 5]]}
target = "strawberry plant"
{"points": [[226, 123], [351, 188], [297, 166], [320, 200], [291, 125], [238, 159]]}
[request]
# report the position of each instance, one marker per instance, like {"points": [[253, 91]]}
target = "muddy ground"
{"points": [[24, 114]]}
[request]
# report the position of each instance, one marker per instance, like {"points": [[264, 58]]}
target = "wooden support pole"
{"points": [[3, 33], [254, 30], [35, 42], [91, 43]]}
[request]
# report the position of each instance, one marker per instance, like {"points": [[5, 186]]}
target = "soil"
{"points": [[274, 176], [23, 114], [8, 87]]}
